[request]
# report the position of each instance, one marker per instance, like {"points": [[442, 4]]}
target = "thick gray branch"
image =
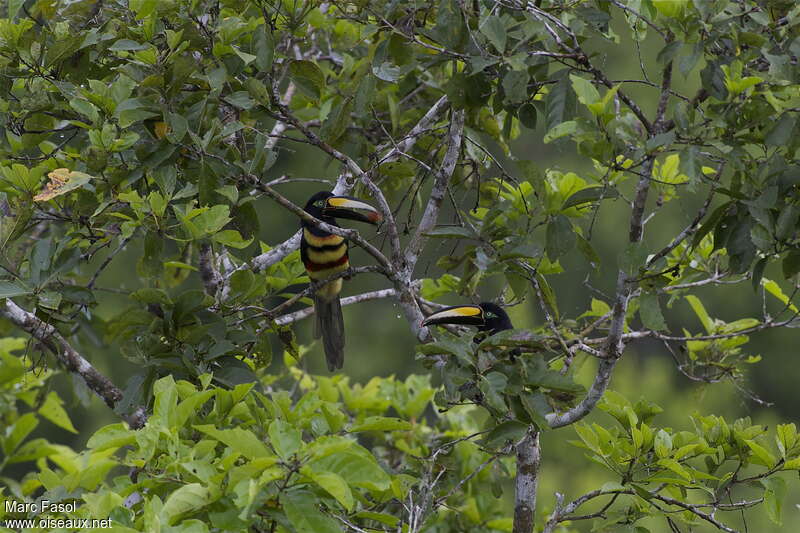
{"points": [[614, 344], [431, 213], [424, 124], [208, 272], [529, 456], [349, 300]]}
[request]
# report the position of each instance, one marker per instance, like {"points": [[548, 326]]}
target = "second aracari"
{"points": [[487, 316]]}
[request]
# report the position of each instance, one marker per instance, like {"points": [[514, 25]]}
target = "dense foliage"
{"points": [[178, 130]]}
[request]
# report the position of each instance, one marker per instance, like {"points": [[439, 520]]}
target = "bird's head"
{"points": [[326, 206], [487, 316]]}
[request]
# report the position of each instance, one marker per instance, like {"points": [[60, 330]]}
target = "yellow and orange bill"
{"points": [[351, 208]]}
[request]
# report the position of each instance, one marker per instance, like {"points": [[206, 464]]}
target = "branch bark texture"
{"points": [[73, 361]]}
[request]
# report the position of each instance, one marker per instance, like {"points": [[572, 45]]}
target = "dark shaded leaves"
{"points": [[560, 237], [308, 78]]}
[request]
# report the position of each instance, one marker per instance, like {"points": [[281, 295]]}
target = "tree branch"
{"points": [[583, 59], [71, 359], [314, 285], [529, 456], [208, 273], [350, 234], [431, 213], [349, 300], [278, 253], [279, 127]]}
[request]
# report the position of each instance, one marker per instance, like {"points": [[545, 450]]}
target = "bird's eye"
{"points": [[489, 314], [320, 203]]}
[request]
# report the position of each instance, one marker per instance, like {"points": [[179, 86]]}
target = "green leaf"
{"points": [[690, 164], [515, 86], [780, 133], [786, 225], [18, 431], [304, 515], [511, 338], [338, 120], [589, 437], [333, 484], [239, 440], [494, 30], [535, 404], [178, 126], [560, 103], [240, 99], [450, 344], [650, 312], [688, 61], [508, 431], [52, 409], [183, 500], [450, 28], [166, 399], [561, 130], [493, 386], [662, 444], [540, 375], [211, 220], [740, 247], [527, 114], [711, 223], [387, 71], [590, 194], [670, 8], [700, 310], [232, 238], [285, 438], [548, 294], [190, 406], [10, 289], [126, 44], [380, 423], [13, 7], [111, 436], [308, 77], [764, 456], [774, 493], [675, 466], [775, 290], [669, 52], [357, 466], [587, 93], [585, 248], [364, 95], [264, 48], [143, 8], [758, 272], [713, 80], [791, 263], [560, 237]]}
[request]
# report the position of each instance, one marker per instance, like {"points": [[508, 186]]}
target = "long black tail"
{"points": [[330, 326]]}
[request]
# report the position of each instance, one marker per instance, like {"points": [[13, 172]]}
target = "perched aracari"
{"points": [[487, 316], [325, 254]]}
